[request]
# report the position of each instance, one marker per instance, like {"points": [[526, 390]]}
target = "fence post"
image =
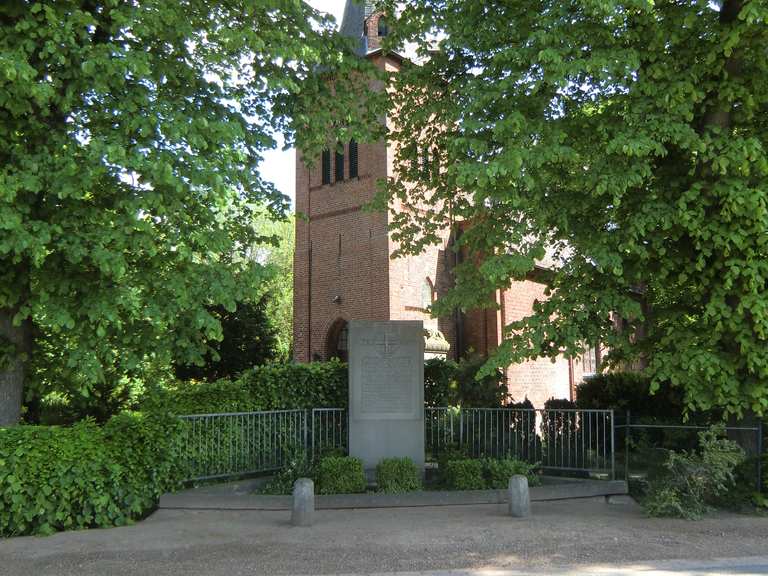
{"points": [[613, 445], [627, 429], [346, 415], [312, 423], [759, 455], [461, 427]]}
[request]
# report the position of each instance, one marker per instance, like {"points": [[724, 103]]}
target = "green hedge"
{"points": [[397, 475], [294, 386], [59, 478], [271, 387], [340, 475], [149, 449]]}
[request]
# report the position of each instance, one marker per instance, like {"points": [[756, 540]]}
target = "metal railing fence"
{"points": [[233, 444], [642, 447], [557, 439], [329, 431], [584, 441]]}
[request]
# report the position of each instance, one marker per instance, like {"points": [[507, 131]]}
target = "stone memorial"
{"points": [[386, 391]]}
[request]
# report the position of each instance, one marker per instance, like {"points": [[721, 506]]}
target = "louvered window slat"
{"points": [[326, 167], [353, 170], [339, 166]]}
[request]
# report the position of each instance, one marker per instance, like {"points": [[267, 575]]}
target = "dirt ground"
{"points": [[557, 535]]}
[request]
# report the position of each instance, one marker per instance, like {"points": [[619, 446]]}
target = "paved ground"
{"points": [[567, 537]]}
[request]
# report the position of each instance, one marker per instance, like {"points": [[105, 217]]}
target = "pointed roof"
{"points": [[352, 23]]}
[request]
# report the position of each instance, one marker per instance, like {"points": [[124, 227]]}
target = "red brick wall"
{"points": [[541, 379], [407, 278]]}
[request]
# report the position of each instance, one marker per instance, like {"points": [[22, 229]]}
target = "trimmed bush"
{"points": [[624, 391], [61, 478], [149, 450], [340, 475], [448, 453], [498, 472], [294, 386], [464, 475], [485, 473], [205, 397], [271, 387], [559, 404], [397, 475]]}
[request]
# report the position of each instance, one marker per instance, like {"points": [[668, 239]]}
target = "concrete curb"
{"points": [[746, 566], [212, 499]]}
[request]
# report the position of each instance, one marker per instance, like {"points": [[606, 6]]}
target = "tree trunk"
{"points": [[12, 367]]}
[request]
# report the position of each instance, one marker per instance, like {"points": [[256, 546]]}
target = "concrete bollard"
{"points": [[519, 497], [303, 512]]}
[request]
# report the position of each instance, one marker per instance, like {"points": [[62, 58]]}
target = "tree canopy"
{"points": [[130, 138], [623, 143]]}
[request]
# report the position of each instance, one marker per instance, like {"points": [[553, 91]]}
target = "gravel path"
{"points": [[212, 543]]}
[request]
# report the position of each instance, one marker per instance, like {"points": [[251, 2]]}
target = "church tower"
{"points": [[342, 265], [343, 270]]}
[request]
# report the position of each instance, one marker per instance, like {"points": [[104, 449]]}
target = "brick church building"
{"points": [[343, 269]]}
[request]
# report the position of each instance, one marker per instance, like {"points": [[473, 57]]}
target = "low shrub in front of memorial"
{"points": [[464, 475], [692, 480], [397, 475], [449, 452], [485, 473], [497, 472], [340, 475], [297, 465], [56, 478]]}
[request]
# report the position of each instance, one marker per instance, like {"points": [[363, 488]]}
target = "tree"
{"points": [[249, 338], [624, 141], [130, 137], [279, 298]]}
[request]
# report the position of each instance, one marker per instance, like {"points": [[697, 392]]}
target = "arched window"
{"points": [[383, 29], [336, 344]]}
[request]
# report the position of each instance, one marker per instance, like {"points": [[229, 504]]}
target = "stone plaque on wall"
{"points": [[386, 390]]}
